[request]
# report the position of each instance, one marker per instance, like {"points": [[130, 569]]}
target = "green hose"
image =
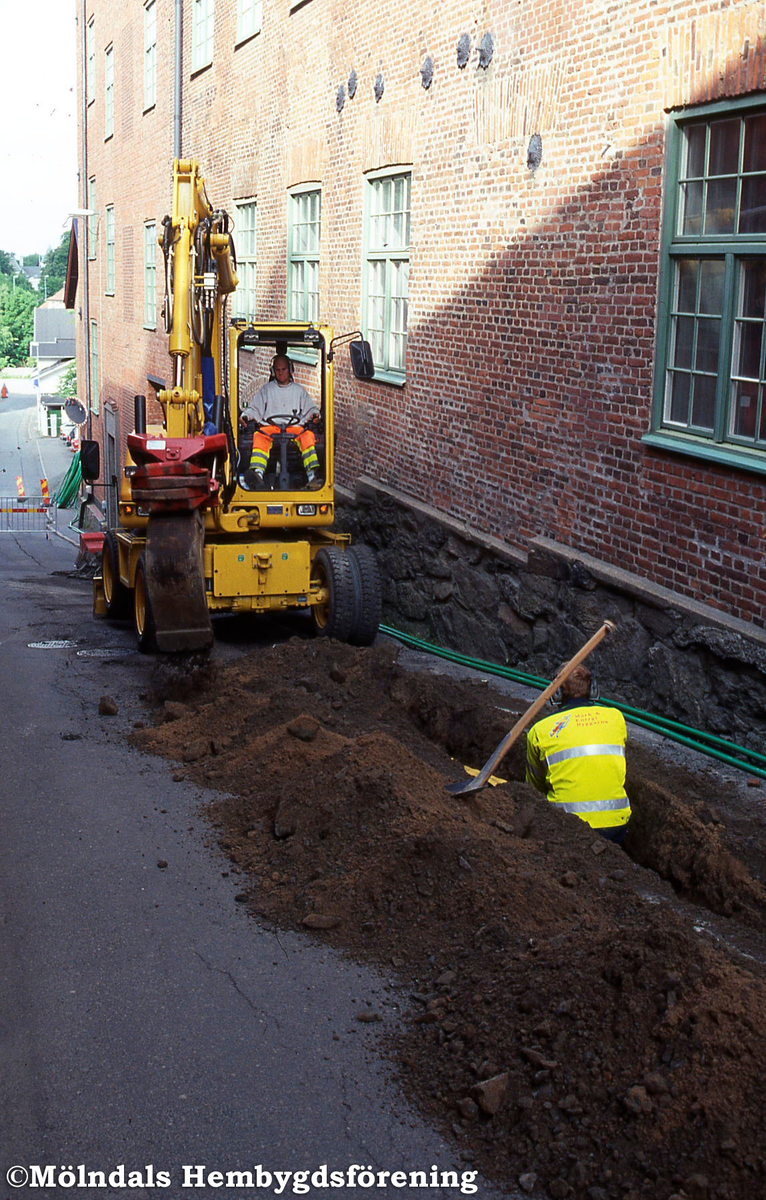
{"points": [[70, 485], [705, 743]]}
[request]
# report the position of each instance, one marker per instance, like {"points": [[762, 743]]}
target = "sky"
{"points": [[38, 132]]}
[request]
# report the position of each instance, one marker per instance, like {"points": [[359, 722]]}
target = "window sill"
{"points": [[724, 456], [394, 378], [243, 41], [150, 108], [197, 71]]}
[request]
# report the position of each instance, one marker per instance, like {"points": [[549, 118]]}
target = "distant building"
{"points": [[54, 348]]}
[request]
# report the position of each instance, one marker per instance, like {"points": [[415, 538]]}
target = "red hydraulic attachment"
{"points": [[175, 474]]}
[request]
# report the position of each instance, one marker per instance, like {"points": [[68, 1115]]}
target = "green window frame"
{"points": [[386, 271], [94, 406], [246, 234], [710, 380], [150, 275], [150, 54], [92, 218], [109, 242], [108, 92], [202, 34], [304, 224], [90, 59]]}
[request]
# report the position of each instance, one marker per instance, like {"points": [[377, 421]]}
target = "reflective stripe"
{"points": [[582, 751], [582, 806]]}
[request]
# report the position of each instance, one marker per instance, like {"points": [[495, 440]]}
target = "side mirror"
{"points": [[361, 359], [90, 461]]}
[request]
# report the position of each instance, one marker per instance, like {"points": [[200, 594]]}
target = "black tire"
{"points": [[116, 594], [368, 598], [143, 619], [333, 570]]}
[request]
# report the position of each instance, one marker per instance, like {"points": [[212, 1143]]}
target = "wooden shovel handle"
{"points": [[460, 788]]}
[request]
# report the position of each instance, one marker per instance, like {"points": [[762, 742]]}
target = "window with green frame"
{"points": [[710, 394], [110, 249], [304, 225], [150, 275], [94, 367], [202, 34], [243, 299], [386, 272], [108, 92]]}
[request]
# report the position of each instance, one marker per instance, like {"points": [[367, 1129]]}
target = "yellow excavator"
{"points": [[198, 533]]}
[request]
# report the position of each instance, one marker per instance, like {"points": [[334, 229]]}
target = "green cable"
{"points": [[705, 743], [71, 483]]}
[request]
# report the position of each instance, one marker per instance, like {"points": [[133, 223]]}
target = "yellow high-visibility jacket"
{"points": [[577, 758]]}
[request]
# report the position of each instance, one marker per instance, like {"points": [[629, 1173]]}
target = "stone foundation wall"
{"points": [[475, 594]]}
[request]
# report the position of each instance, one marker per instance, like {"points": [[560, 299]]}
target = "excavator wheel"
{"points": [[143, 618], [368, 600], [116, 594], [335, 616]]}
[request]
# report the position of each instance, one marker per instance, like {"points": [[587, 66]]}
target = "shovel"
{"points": [[463, 788]]}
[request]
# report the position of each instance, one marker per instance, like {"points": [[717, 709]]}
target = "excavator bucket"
{"points": [[175, 581]]}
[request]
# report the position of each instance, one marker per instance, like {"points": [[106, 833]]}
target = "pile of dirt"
{"points": [[568, 1025]]}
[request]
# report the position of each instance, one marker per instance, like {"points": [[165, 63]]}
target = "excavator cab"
{"points": [[297, 457]]}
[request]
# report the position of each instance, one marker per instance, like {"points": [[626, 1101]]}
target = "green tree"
{"points": [[6, 263], [53, 267], [17, 306], [68, 381]]}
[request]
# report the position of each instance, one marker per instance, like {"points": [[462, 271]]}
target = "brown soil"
{"points": [[566, 1022]]}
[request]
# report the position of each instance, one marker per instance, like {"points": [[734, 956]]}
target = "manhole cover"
{"points": [[105, 653], [63, 644]]}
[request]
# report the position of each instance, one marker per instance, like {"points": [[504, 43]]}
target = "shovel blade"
{"points": [[465, 787]]}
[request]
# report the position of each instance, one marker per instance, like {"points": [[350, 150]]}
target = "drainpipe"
{"points": [[177, 70], [84, 190]]}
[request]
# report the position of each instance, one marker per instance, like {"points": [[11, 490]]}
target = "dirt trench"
{"points": [[565, 1022]]}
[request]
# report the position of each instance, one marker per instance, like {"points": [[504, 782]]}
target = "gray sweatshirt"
{"points": [[273, 399]]}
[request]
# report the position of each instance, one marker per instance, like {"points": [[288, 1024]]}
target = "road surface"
{"points": [[150, 1029]]}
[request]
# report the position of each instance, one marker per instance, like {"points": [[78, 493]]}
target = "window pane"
{"points": [[712, 276], [708, 337], [696, 136], [686, 276], [744, 409], [684, 341], [753, 289], [720, 206], [748, 360], [679, 398], [753, 205], [703, 404], [692, 208], [755, 143], [724, 147]]}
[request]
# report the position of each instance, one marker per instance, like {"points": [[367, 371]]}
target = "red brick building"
{"points": [[549, 219]]}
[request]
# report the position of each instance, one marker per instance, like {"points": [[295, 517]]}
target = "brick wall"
{"points": [[533, 293]]}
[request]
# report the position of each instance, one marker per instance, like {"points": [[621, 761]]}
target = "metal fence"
{"points": [[28, 514]]}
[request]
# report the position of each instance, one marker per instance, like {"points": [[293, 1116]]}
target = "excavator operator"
{"points": [[576, 757], [280, 397]]}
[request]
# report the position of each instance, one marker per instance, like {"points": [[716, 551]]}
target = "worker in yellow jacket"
{"points": [[576, 757]]}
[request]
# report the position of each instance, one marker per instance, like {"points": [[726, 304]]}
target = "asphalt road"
{"points": [[147, 1023]]}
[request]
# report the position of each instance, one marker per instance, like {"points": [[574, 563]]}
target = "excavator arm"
{"points": [[178, 473]]}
